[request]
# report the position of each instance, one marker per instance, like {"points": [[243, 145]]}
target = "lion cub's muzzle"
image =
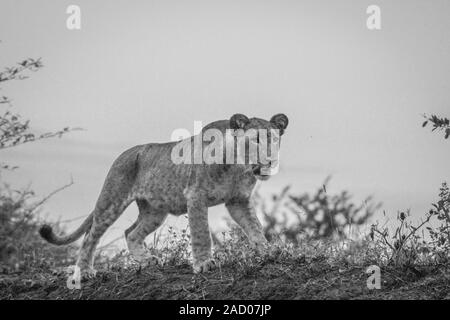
{"points": [[264, 171]]}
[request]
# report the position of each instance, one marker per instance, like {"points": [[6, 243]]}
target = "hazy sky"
{"points": [[137, 70]]}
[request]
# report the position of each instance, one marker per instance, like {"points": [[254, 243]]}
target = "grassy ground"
{"points": [[313, 271], [413, 266]]}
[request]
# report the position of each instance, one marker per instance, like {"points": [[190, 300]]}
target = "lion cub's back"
{"points": [[159, 180]]}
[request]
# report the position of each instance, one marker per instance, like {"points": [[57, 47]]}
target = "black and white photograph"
{"points": [[243, 151]]}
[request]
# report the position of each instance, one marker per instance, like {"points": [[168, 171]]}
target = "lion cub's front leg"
{"points": [[244, 214], [200, 236]]}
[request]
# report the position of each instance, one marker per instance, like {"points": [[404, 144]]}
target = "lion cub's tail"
{"points": [[47, 233]]}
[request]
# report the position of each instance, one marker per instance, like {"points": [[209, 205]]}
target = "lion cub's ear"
{"points": [[280, 121], [238, 121]]}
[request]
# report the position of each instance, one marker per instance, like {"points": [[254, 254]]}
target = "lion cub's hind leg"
{"points": [[146, 223], [102, 221]]}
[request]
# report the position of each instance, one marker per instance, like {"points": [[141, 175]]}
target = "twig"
{"points": [[51, 194]]}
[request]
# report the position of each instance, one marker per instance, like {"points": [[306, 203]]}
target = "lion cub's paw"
{"points": [[205, 266], [76, 276]]}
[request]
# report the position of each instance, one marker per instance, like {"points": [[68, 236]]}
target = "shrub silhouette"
{"points": [[20, 245], [315, 216], [438, 123]]}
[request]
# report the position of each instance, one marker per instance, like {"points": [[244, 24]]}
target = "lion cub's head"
{"points": [[257, 142]]}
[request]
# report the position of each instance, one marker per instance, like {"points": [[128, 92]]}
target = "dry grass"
{"points": [[312, 270]]}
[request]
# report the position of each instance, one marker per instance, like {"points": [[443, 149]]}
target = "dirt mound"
{"points": [[293, 279]]}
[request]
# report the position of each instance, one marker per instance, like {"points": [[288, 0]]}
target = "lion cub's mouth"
{"points": [[258, 172]]}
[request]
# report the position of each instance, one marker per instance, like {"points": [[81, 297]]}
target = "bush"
{"points": [[410, 244], [438, 123], [21, 247], [320, 215]]}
